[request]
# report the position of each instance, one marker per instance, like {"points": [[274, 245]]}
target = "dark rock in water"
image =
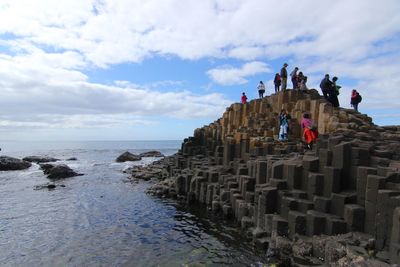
{"points": [[46, 167], [71, 159], [127, 156], [45, 186], [39, 159], [58, 171], [11, 164], [152, 153]]}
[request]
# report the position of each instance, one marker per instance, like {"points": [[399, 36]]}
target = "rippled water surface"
{"points": [[101, 219]]}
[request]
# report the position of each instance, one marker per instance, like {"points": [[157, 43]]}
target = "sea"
{"points": [[104, 219]]}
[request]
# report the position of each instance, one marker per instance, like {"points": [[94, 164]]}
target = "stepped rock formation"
{"points": [[349, 182]]}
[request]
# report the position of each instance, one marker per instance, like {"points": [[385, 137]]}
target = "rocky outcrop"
{"points": [[153, 153], [39, 159], [127, 156], [12, 164], [349, 182], [155, 170], [56, 172]]}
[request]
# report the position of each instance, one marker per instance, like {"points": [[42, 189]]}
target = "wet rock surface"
{"points": [[49, 186], [39, 159], [127, 156], [155, 170], [12, 164], [308, 205], [56, 172], [152, 153]]}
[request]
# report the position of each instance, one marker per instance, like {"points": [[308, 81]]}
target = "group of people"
{"points": [[297, 77], [310, 131], [331, 90]]}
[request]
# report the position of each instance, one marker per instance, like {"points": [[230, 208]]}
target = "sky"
{"points": [[158, 69]]}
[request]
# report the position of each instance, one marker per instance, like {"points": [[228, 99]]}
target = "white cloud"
{"points": [[228, 75], [110, 32], [38, 92]]}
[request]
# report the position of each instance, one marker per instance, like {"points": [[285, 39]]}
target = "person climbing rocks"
{"points": [[277, 82], [284, 76], [333, 95], [326, 86], [261, 89], [310, 132], [283, 125], [244, 98], [355, 99], [293, 76]]}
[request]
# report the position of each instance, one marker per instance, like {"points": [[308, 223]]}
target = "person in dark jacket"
{"points": [[333, 95], [326, 86], [284, 76], [294, 78], [277, 82]]}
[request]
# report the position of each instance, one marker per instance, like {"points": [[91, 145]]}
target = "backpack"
{"points": [[313, 127], [358, 98]]}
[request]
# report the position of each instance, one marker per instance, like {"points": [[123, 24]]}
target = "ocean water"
{"points": [[102, 219]]}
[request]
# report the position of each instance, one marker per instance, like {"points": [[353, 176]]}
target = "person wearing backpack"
{"points": [[355, 99], [310, 131]]}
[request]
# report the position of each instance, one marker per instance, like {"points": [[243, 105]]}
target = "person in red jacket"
{"points": [[310, 132], [244, 98], [355, 99]]}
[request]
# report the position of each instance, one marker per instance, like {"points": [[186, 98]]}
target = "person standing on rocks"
{"points": [[303, 84], [261, 89], [293, 76], [355, 99], [244, 98], [283, 125], [310, 132], [284, 76], [326, 86], [277, 82], [300, 79], [333, 96]]}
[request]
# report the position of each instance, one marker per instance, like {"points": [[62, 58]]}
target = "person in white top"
{"points": [[261, 89]]}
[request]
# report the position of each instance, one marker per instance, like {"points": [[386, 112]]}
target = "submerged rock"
{"points": [[152, 153], [127, 156], [71, 159], [45, 186], [39, 159], [12, 164]]}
